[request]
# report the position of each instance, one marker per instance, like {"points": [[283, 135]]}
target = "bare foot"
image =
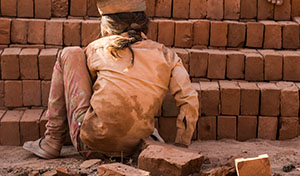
{"points": [[276, 2]]}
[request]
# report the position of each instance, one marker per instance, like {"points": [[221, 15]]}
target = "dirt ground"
{"points": [[16, 161]]}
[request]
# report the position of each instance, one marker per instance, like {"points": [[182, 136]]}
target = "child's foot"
{"points": [[276, 2]]}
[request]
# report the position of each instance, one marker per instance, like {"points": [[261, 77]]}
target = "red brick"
{"points": [[272, 35], [216, 64], [169, 106], [269, 99], [289, 100], [54, 32], [90, 31], [36, 31], [248, 9], [163, 8], [226, 127], [92, 9], [119, 169], [183, 34], [166, 30], [210, 98], [198, 8], [283, 12], [28, 63], [47, 59], [78, 8], [272, 65], [152, 30], [295, 8], [184, 55], [25, 8], [255, 34], [2, 94], [60, 8], [42, 8], [232, 9], [265, 10], [150, 10], [45, 92], [10, 129], [5, 28], [31, 92], [218, 33], [291, 65], [10, 63], [201, 32], [254, 67], [19, 29], [181, 8], [43, 122], [235, 65], [13, 94], [215, 9], [230, 98], [290, 35], [247, 126], [29, 125], [198, 63], [167, 128], [288, 127], [9, 8], [267, 127], [207, 128], [72, 32], [236, 34], [249, 98]]}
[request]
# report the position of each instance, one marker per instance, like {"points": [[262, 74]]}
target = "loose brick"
{"points": [[201, 32], [72, 29], [10, 129], [150, 10], [19, 29], [184, 55], [198, 63], [43, 122], [78, 8], [265, 10], [28, 63], [9, 8], [209, 98], [163, 8], [255, 34], [183, 34], [290, 35], [236, 34], [181, 8], [36, 31], [269, 99], [5, 27], [31, 92], [198, 8], [226, 127], [288, 127], [248, 9], [215, 9], [166, 30], [2, 93], [169, 160], [254, 66], [218, 33], [207, 128], [54, 32], [295, 8], [29, 125], [247, 126], [92, 9], [167, 128], [25, 8], [291, 65], [45, 92], [230, 98], [232, 9], [273, 65], [10, 63], [47, 59], [60, 8], [267, 127], [254, 166], [152, 30], [169, 106], [13, 94], [235, 65], [216, 65], [119, 169], [283, 12], [272, 35], [249, 98], [42, 8], [289, 104], [90, 31]]}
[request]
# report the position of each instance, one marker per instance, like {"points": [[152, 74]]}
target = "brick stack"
{"points": [[243, 58]]}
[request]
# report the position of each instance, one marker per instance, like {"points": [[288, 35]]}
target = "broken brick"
{"points": [[119, 169]]}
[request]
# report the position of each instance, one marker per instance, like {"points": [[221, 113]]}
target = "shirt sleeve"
{"points": [[89, 52]]}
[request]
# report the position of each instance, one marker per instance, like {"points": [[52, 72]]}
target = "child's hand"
{"points": [[276, 2]]}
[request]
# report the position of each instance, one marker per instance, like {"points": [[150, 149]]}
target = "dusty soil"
{"points": [[16, 161]]}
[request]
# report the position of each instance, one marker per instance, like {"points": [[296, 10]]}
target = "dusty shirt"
{"points": [[126, 97]]}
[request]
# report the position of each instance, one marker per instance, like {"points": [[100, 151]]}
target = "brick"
{"points": [[43, 122], [31, 92], [232, 9], [272, 65], [150, 10], [13, 94], [72, 29], [255, 34], [10, 129], [25, 8], [218, 33], [230, 98], [90, 31], [291, 65], [236, 34], [272, 35], [119, 169], [267, 127], [152, 30], [28, 63], [92, 9], [235, 65], [9, 8], [19, 29], [10, 63], [183, 34], [288, 127], [254, 67], [209, 98], [207, 128], [295, 8], [36, 31], [45, 86], [166, 30], [29, 125], [226, 127], [47, 59], [215, 9], [269, 99], [167, 128], [198, 63], [2, 93], [201, 32], [78, 8], [42, 8], [248, 9], [169, 160], [265, 10], [5, 28], [184, 55], [163, 8], [169, 106], [60, 8], [290, 35], [249, 98], [181, 9], [216, 65], [38, 46], [254, 166], [54, 32], [289, 100], [198, 9], [247, 126], [283, 12]]}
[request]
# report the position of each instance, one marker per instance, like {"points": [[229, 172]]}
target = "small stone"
{"points": [[50, 173], [288, 168], [89, 163]]}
